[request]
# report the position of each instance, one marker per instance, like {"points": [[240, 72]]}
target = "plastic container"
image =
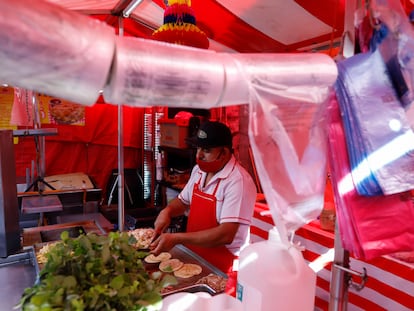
{"points": [[200, 302], [274, 276]]}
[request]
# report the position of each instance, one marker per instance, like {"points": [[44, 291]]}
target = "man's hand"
{"points": [[164, 243], [162, 222], [173, 209]]}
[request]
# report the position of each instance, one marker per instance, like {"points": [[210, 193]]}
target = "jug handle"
{"points": [[295, 251]]}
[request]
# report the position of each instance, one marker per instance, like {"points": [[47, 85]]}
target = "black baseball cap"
{"points": [[212, 134]]}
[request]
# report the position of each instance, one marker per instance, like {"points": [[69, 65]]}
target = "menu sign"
{"points": [[20, 107], [54, 110]]}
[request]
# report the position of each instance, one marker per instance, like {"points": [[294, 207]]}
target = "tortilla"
{"points": [[188, 270], [170, 265], [151, 258]]}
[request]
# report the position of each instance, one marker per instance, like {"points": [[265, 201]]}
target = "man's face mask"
{"points": [[211, 166]]}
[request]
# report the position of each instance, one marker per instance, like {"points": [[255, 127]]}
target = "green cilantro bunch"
{"points": [[95, 272]]}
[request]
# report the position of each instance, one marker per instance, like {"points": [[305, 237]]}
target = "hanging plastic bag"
{"points": [[397, 48], [379, 138], [286, 131], [369, 226]]}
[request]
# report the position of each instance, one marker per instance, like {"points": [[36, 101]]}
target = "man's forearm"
{"points": [[175, 208]]}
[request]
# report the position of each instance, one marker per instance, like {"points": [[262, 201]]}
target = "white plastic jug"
{"points": [[200, 302], [274, 276]]}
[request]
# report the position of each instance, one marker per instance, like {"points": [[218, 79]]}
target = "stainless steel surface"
{"points": [[36, 132], [41, 204], [199, 259], [17, 272], [196, 288], [95, 193], [33, 236], [100, 221]]}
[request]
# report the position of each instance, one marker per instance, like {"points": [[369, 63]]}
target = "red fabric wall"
{"points": [[92, 149]]}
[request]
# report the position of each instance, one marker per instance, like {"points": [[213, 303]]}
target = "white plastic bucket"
{"points": [[200, 302], [274, 276]]}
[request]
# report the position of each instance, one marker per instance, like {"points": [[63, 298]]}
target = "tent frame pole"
{"points": [[338, 290], [121, 178], [133, 4]]}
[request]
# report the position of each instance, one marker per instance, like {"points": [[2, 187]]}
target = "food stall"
{"points": [[127, 73]]}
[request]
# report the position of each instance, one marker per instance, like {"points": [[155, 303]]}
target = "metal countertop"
{"points": [[17, 272]]}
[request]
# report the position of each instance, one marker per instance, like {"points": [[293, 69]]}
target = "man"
{"points": [[219, 200]]}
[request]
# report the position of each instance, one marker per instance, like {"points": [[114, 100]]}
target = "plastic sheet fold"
{"points": [[288, 138]]}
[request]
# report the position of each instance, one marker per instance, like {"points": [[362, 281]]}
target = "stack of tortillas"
{"points": [[188, 270], [151, 258], [168, 264]]}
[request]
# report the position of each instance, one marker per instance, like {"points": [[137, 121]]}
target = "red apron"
{"points": [[202, 216]]}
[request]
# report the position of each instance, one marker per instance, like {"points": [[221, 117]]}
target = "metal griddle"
{"points": [[54, 235]]}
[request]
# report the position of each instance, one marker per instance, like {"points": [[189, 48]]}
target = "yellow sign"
{"points": [[6, 105]]}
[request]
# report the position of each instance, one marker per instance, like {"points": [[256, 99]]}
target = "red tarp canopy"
{"points": [[245, 26], [92, 149]]}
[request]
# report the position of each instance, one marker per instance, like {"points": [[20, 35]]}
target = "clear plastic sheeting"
{"points": [[287, 131], [147, 73], [285, 93], [45, 48]]}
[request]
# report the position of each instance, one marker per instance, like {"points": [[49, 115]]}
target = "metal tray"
{"points": [[33, 236], [196, 288], [189, 285]]}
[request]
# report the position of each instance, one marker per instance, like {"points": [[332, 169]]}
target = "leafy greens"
{"points": [[95, 272]]}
